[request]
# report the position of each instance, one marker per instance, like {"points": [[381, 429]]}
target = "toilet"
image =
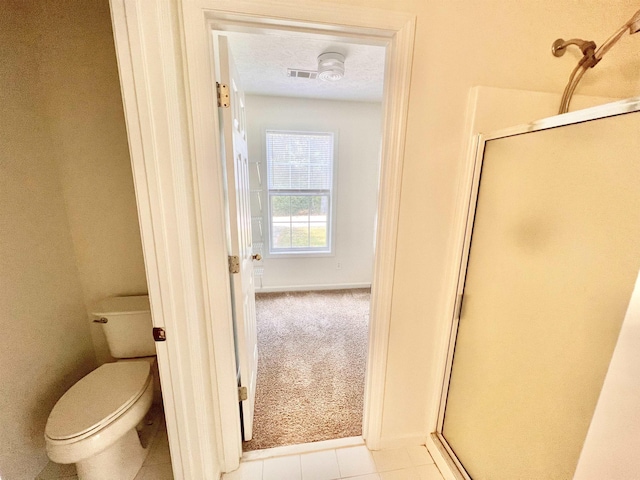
{"points": [[94, 423]]}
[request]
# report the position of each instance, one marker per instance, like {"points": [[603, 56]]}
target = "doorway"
{"points": [[173, 129], [302, 173]]}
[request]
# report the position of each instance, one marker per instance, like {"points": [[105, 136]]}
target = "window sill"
{"points": [[277, 255]]}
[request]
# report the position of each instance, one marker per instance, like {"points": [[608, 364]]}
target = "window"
{"points": [[300, 189]]}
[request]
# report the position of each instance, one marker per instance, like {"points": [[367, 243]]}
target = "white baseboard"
{"points": [[311, 288]]}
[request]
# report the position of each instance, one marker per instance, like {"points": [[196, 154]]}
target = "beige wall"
{"points": [[68, 222], [84, 110], [45, 344]]}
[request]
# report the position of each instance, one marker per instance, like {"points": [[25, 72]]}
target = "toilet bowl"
{"points": [[94, 423]]}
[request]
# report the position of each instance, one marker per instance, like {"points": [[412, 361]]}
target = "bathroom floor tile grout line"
{"points": [[389, 464], [348, 463]]}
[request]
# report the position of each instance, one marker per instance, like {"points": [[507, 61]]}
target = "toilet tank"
{"points": [[127, 325]]}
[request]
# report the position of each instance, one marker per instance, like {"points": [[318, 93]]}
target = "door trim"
{"points": [[148, 56], [164, 56]]}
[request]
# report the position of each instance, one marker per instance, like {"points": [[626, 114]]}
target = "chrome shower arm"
{"points": [[587, 61], [559, 47]]}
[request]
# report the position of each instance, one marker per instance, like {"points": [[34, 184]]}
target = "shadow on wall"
{"points": [[68, 224]]}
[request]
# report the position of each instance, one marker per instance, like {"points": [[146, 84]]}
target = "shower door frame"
{"points": [[465, 233]]}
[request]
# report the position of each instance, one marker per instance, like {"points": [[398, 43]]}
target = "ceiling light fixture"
{"points": [[331, 66]]}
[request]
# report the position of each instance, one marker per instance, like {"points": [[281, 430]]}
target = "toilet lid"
{"points": [[97, 398]]}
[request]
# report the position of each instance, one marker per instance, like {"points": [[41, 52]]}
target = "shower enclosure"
{"points": [[551, 256]]}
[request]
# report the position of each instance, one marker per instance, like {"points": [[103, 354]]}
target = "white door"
{"points": [[238, 195]]}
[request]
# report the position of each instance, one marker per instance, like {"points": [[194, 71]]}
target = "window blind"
{"points": [[300, 184], [299, 161]]}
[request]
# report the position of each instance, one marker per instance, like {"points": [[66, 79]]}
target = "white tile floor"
{"points": [[157, 465], [353, 463]]}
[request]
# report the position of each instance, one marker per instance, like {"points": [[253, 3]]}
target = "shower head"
{"points": [[634, 23]]}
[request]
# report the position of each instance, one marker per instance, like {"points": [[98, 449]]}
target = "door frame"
{"points": [[166, 67]]}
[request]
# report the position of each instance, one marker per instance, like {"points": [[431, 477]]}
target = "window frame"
{"points": [[297, 252]]}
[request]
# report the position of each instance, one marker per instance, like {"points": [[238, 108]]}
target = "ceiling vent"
{"points": [[330, 68], [295, 73]]}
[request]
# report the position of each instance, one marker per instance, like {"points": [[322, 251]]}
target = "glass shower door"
{"points": [[554, 254]]}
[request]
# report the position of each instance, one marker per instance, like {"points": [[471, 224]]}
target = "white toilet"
{"points": [[94, 423]]}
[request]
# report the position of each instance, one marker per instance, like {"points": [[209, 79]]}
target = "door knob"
{"points": [[256, 256]]}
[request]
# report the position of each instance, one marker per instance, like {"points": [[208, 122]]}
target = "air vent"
{"points": [[308, 74]]}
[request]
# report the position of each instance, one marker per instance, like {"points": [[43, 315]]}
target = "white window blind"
{"points": [[300, 184], [300, 161]]}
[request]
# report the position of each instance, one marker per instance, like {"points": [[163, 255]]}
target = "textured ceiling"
{"points": [[262, 62]]}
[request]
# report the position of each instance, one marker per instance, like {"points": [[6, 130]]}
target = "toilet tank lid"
{"points": [[96, 399], [121, 305]]}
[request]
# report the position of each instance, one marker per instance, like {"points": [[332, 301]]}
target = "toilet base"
{"points": [[121, 461]]}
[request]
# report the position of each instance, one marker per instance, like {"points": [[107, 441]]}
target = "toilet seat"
{"points": [[97, 400]]}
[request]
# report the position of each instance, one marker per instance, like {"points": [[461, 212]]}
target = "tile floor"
{"points": [[353, 463], [157, 465]]}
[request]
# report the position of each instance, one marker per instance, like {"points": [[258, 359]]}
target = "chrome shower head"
{"points": [[634, 23]]}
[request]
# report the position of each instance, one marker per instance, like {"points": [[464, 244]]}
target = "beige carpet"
{"points": [[312, 349]]}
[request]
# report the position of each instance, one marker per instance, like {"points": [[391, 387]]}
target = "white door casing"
{"points": [[233, 123], [147, 42], [167, 71]]}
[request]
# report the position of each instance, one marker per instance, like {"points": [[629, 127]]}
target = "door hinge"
{"points": [[223, 95], [458, 307], [234, 264], [159, 335], [242, 394]]}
